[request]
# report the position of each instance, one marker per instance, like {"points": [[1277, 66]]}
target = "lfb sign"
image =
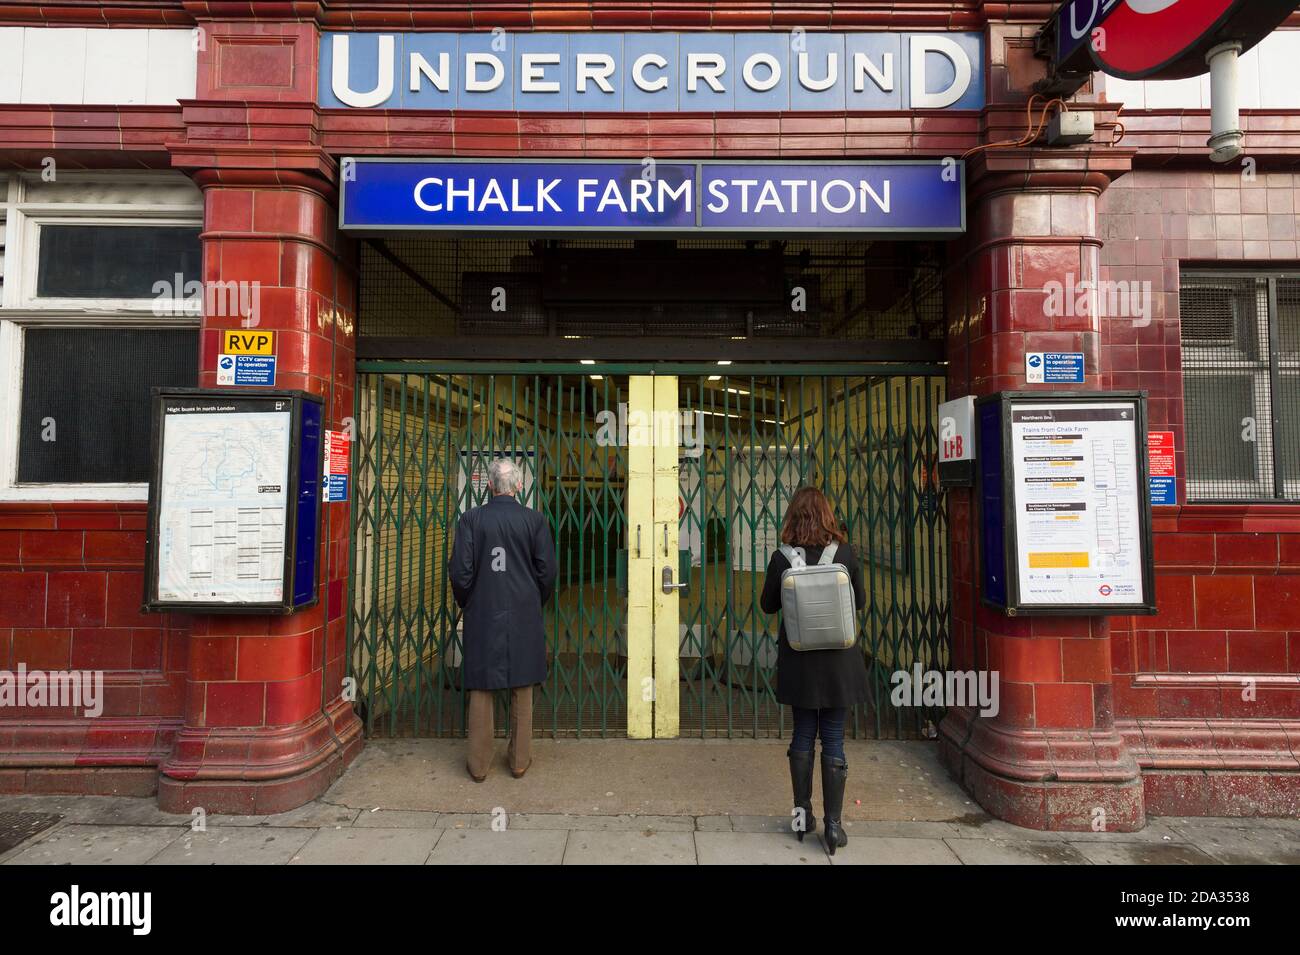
{"points": [[639, 72], [957, 442]]}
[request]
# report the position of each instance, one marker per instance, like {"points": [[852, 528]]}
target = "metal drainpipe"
{"points": [[1225, 117]]}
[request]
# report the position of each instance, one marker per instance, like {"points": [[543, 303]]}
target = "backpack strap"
{"points": [[795, 555], [828, 553]]}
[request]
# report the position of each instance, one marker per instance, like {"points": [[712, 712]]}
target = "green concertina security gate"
{"points": [[742, 440]]}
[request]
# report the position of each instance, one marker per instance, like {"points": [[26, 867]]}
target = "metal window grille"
{"points": [[1241, 385], [1286, 398]]}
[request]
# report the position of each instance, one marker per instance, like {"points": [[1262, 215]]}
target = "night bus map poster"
{"points": [[223, 494], [234, 501]]}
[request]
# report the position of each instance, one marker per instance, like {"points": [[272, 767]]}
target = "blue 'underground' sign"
{"points": [[914, 197]]}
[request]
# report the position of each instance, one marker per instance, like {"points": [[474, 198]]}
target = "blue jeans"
{"points": [[828, 723]]}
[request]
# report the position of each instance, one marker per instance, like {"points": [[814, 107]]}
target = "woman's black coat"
{"points": [[502, 593], [817, 679]]}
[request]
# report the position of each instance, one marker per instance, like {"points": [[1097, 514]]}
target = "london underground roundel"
{"points": [[1160, 39], [1145, 35]]}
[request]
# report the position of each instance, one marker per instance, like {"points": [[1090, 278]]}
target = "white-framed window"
{"points": [[99, 302], [4, 204]]}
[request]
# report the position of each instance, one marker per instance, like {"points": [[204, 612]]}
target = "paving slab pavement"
{"points": [[375, 846], [757, 848], [1232, 844], [896, 850], [630, 847], [80, 844], [396, 819], [1137, 853], [234, 845], [616, 802], [512, 847], [988, 852]]}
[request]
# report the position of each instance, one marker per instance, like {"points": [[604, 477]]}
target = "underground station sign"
{"points": [[922, 197], [1157, 39]]}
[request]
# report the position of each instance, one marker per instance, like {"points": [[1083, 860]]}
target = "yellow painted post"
{"points": [[640, 558], [667, 515]]}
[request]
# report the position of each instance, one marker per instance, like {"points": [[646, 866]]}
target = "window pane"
{"points": [[1288, 396], [88, 389], [1288, 321], [1288, 431], [109, 261], [1217, 455], [1227, 412]]}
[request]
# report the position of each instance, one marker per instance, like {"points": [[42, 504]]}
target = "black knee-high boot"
{"points": [[835, 773], [801, 779]]}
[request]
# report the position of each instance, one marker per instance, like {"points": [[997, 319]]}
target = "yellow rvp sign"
{"points": [[247, 341]]}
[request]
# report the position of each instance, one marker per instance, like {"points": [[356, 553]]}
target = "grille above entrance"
{"points": [[434, 287]]}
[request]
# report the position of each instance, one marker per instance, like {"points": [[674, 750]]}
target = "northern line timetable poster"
{"points": [[1078, 503]]}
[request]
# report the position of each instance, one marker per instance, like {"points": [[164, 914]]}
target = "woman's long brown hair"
{"points": [[809, 521]]}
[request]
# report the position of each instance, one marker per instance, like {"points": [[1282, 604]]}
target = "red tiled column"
{"points": [[265, 727], [1051, 757]]}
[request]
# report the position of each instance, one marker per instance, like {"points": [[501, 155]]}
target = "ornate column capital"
{"points": [[994, 172]]}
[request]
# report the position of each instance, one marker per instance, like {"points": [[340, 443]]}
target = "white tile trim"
{"points": [[75, 66]]}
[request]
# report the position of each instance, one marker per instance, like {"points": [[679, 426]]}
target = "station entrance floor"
{"points": [[900, 780]]}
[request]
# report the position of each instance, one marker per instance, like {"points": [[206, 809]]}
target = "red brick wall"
{"points": [[177, 689], [70, 594], [1228, 576]]}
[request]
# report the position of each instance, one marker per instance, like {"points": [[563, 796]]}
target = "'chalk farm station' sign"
{"points": [[917, 197]]}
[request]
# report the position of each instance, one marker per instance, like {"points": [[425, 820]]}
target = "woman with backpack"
{"points": [[819, 684]]}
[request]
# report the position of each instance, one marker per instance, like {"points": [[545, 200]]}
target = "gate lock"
{"points": [[669, 586], [683, 572]]}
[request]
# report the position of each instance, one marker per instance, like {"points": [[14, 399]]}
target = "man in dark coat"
{"points": [[502, 571]]}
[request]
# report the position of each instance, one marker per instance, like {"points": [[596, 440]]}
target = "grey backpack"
{"points": [[817, 601]]}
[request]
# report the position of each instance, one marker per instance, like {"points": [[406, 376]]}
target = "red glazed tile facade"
{"points": [[1134, 716], [70, 586]]}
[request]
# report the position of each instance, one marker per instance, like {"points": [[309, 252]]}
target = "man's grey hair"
{"points": [[504, 477]]}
